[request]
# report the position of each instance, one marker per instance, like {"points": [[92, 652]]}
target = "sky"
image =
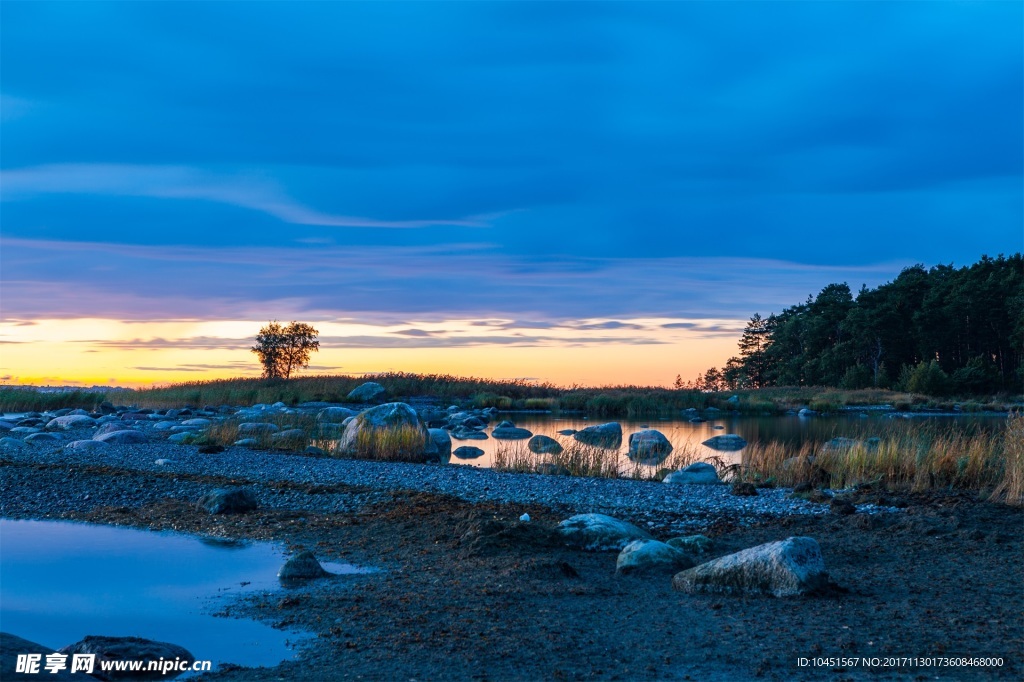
{"points": [[577, 192]]}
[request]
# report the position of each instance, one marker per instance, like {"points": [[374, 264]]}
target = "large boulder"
{"points": [[364, 393], [600, 532], [228, 501], [787, 568], [130, 649], [110, 426], [302, 566], [70, 421], [698, 473], [726, 442], [650, 556], [601, 435], [649, 447], [125, 437], [544, 445], [392, 432]]}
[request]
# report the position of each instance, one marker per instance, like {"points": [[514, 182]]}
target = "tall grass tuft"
{"points": [[403, 443], [31, 400]]}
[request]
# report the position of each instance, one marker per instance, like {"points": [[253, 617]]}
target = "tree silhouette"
{"points": [[283, 350]]}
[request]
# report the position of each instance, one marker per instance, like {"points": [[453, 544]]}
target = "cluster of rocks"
{"points": [[786, 568]]}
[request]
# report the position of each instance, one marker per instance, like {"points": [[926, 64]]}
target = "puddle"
{"points": [[61, 581]]}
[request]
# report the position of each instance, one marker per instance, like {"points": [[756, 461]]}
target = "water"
{"points": [[683, 434], [61, 581]]}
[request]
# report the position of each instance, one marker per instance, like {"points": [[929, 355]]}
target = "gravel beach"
{"points": [[467, 591]]}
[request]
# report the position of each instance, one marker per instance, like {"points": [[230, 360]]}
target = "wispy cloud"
{"points": [[254, 192]]}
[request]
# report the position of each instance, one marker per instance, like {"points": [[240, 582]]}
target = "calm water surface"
{"points": [[683, 434], [61, 581]]}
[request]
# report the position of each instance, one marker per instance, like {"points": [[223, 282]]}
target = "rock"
{"points": [[649, 556], [163, 426], [335, 415], [468, 434], [228, 501], [692, 544], [544, 445], [198, 421], [107, 407], [728, 441], [247, 443], [41, 438], [248, 429], [302, 566], [467, 452], [289, 438], [4, 427], [128, 437], [716, 427], [601, 435], [129, 649], [525, 518], [806, 412], [698, 473], [698, 420], [71, 421], [86, 446], [567, 432], [505, 431], [733, 400], [163, 461], [11, 646], [25, 430], [443, 442], [649, 447], [787, 568], [186, 438], [744, 489], [110, 427], [600, 532], [364, 393], [391, 432]]}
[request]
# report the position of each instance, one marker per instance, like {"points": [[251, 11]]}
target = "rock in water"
{"points": [[130, 649], [649, 446], [468, 452], [505, 431], [698, 473], [726, 442], [649, 556], [600, 532], [601, 435], [229, 501], [443, 441], [302, 566], [787, 568], [364, 393], [544, 445]]}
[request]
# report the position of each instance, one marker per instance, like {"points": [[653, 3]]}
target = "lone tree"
{"points": [[283, 350]]}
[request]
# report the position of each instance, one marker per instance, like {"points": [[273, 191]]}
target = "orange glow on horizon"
{"points": [[107, 352]]}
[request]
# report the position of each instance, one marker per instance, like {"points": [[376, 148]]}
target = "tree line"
{"points": [[938, 331]]}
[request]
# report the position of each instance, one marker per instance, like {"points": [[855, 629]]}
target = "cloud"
{"points": [[180, 182]]}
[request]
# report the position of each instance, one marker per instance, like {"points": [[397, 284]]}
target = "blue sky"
{"points": [[541, 162]]}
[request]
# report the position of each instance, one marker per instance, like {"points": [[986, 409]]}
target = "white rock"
{"points": [[600, 532], [786, 568]]}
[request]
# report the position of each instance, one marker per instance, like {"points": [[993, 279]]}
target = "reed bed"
{"points": [[909, 457], [580, 459]]}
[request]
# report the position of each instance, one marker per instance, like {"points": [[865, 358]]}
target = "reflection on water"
{"points": [[62, 581], [684, 434]]}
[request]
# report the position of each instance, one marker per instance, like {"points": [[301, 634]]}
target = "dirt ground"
{"points": [[467, 592]]}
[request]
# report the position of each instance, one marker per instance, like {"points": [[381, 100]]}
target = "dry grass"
{"points": [[392, 444], [580, 459], [910, 457]]}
